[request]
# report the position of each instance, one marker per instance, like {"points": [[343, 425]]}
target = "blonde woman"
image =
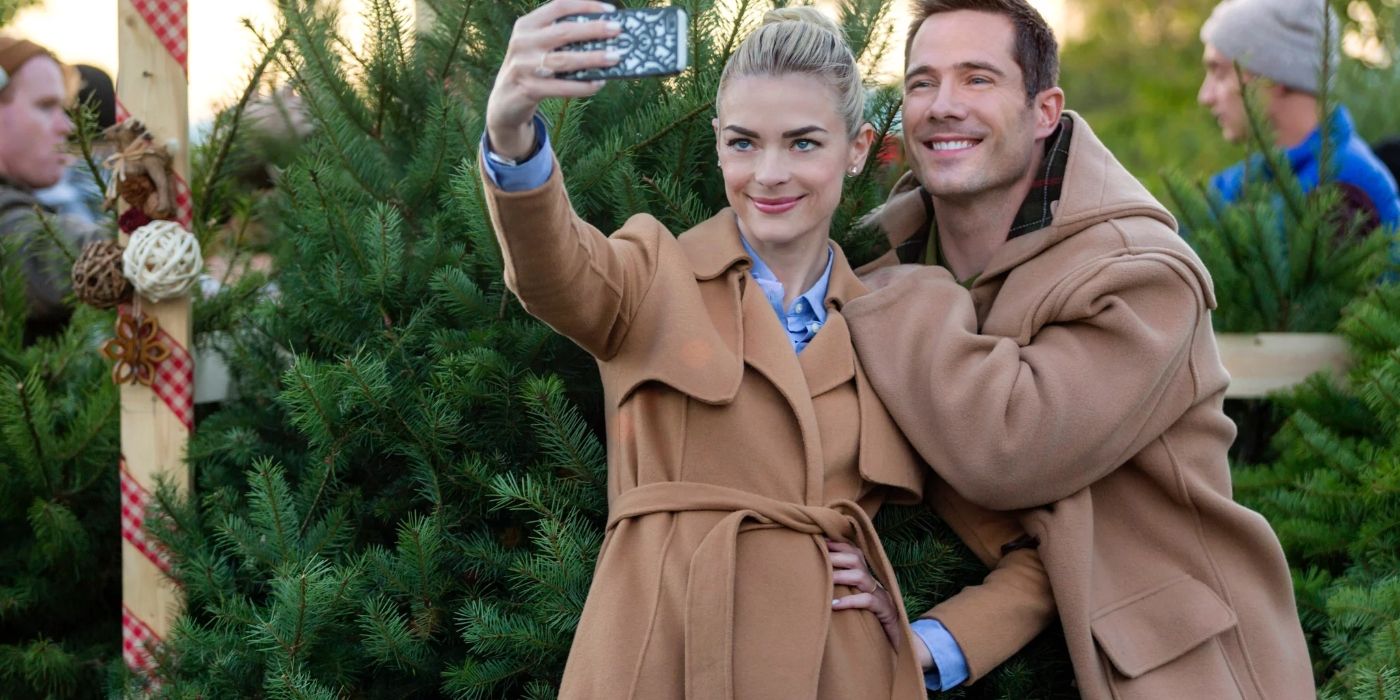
{"points": [[746, 451]]}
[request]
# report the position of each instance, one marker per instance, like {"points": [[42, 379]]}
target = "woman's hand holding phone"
{"points": [[528, 73]]}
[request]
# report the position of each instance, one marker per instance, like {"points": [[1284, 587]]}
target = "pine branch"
{"points": [[270, 51]]}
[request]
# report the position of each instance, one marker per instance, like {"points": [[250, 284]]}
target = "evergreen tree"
{"points": [[60, 547], [1334, 498], [407, 498], [60, 542]]}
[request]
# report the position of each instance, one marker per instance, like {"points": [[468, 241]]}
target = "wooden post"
{"points": [[1260, 363], [152, 86], [423, 16]]}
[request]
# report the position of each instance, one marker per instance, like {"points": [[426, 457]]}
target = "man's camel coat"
{"points": [[1080, 373], [730, 458]]}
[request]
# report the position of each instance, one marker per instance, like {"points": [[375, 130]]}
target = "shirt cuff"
{"points": [[949, 665], [529, 174]]}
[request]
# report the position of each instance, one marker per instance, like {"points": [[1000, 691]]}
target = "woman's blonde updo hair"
{"points": [[802, 41]]}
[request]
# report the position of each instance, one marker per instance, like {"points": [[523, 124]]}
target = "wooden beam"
{"points": [[152, 86], [1260, 363], [423, 16]]}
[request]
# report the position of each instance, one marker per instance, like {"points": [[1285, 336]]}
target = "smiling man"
{"points": [[34, 131], [1052, 353]]}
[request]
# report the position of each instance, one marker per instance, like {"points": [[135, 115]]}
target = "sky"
{"points": [[222, 50]]}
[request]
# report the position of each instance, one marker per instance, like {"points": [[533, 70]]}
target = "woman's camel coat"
{"points": [[730, 457]]}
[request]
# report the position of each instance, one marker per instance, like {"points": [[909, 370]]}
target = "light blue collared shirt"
{"points": [[801, 321], [949, 665], [807, 314]]}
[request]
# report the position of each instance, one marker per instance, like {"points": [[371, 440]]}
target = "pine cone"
{"points": [[135, 190]]}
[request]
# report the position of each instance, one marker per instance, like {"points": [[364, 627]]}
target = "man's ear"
{"points": [[1049, 105]]}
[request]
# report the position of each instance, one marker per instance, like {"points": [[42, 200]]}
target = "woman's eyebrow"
{"points": [[791, 133]]}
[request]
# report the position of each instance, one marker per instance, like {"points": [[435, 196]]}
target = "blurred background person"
{"points": [[1279, 45], [34, 131], [78, 193]]}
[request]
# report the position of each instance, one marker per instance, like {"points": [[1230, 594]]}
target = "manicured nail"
{"points": [[615, 26], [612, 55], [608, 7]]}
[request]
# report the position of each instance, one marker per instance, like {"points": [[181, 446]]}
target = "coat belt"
{"points": [[709, 614]]}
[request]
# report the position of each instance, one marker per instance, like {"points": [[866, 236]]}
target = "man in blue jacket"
{"points": [[1280, 44]]}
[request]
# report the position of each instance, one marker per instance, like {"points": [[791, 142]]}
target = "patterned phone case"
{"points": [[653, 42]]}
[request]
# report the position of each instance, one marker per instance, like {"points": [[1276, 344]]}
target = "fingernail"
{"points": [[612, 55], [615, 26], [608, 7], [599, 83], [836, 602]]}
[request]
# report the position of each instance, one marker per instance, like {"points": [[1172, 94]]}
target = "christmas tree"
{"points": [[407, 496], [60, 557], [1334, 498]]}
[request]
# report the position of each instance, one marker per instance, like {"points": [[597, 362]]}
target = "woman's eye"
{"points": [[805, 144], [740, 144]]}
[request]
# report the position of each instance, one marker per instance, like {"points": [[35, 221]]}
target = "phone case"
{"points": [[653, 42]]}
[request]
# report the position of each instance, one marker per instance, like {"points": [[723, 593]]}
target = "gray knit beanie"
{"points": [[1278, 39]]}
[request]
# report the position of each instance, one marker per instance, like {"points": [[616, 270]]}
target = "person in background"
{"points": [[1052, 355], [34, 130], [1279, 45], [77, 193]]}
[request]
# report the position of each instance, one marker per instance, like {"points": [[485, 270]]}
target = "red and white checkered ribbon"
{"points": [[168, 19], [138, 641], [184, 204], [135, 500], [174, 381], [174, 378]]}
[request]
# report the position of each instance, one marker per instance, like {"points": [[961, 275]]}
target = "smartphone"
{"points": [[653, 42]]}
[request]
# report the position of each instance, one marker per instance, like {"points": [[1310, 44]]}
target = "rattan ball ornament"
{"points": [[162, 260], [98, 280]]}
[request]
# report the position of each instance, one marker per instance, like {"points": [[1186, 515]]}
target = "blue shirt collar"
{"points": [[811, 302]]}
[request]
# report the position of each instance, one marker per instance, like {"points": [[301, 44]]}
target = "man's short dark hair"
{"points": [[1036, 50]]}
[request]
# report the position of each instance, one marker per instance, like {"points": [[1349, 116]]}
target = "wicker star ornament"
{"points": [[137, 350]]}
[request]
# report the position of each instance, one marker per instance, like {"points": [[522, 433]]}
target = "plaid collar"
{"points": [[1036, 212]]}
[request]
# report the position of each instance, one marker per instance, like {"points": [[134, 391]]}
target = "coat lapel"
{"points": [[714, 250], [829, 360]]}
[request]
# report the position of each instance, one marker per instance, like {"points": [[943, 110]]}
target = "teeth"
{"points": [[952, 145]]}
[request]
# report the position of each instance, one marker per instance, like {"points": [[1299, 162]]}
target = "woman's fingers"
{"points": [[845, 560], [557, 36], [880, 605], [858, 601], [568, 61], [855, 578], [551, 12]]}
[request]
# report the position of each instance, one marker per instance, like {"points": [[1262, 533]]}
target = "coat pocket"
{"points": [[1151, 629]]}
